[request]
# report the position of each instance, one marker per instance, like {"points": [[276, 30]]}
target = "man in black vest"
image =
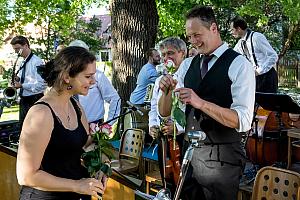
{"points": [[257, 49], [29, 82], [219, 92]]}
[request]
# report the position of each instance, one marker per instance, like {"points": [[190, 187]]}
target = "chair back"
{"points": [[273, 183], [132, 142]]}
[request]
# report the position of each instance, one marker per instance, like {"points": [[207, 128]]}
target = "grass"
{"points": [[11, 113]]}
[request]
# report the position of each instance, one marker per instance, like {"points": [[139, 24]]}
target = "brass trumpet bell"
{"points": [[10, 93]]}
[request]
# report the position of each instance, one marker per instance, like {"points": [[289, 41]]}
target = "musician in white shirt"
{"points": [[257, 49], [29, 82], [174, 49], [93, 103]]}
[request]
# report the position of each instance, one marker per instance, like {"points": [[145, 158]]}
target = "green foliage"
{"points": [[5, 12], [3, 84], [171, 17], [7, 74], [177, 114], [271, 17], [53, 20], [87, 32], [93, 159]]}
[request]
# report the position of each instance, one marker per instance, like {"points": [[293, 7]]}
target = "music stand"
{"points": [[279, 103]]}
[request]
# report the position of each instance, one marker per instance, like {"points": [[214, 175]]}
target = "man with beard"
{"points": [[147, 75]]}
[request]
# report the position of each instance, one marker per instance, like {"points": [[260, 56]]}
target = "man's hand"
{"points": [[153, 132], [167, 83], [17, 85], [168, 128], [188, 96]]}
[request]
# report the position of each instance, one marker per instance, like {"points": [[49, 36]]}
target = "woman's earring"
{"points": [[69, 87]]}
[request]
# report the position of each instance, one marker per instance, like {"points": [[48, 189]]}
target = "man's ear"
{"points": [[214, 27], [150, 59]]}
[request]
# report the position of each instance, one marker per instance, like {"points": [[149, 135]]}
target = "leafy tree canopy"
{"points": [[53, 19], [278, 19]]}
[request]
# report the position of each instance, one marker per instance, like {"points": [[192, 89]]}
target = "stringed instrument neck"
{"points": [[172, 166]]}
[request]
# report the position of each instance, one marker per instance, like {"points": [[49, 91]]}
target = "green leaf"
{"points": [[106, 170], [179, 116], [95, 163]]}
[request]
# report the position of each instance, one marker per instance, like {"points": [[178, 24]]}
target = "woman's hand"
{"points": [[90, 186]]}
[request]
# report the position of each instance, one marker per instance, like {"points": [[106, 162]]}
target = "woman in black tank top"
{"points": [[55, 131]]}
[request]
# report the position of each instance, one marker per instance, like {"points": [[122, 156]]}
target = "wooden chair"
{"points": [[273, 183], [130, 152], [153, 182]]}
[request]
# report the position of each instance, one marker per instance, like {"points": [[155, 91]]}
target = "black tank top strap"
{"points": [[56, 119], [76, 107], [46, 104]]}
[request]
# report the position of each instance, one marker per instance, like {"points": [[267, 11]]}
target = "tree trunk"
{"points": [[134, 29], [294, 28]]}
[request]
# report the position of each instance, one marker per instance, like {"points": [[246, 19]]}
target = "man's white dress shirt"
{"points": [[93, 102]]}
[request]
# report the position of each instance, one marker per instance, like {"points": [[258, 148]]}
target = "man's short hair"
{"points": [[19, 40], [204, 13], [239, 22], [150, 52], [175, 42]]}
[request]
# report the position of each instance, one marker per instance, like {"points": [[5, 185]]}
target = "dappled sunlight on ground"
{"points": [[11, 113]]}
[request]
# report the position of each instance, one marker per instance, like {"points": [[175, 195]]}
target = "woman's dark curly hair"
{"points": [[71, 60]]}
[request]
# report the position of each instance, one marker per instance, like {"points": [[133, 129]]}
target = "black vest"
{"points": [[215, 88]]}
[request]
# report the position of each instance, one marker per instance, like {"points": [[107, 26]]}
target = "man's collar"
{"points": [[247, 33], [220, 50]]}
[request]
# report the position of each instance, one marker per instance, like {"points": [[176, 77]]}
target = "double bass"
{"points": [[267, 141]]}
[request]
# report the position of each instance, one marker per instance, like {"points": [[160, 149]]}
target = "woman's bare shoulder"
{"points": [[38, 118]]}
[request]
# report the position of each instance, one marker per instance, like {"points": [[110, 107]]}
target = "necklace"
{"points": [[68, 115], [68, 119]]}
